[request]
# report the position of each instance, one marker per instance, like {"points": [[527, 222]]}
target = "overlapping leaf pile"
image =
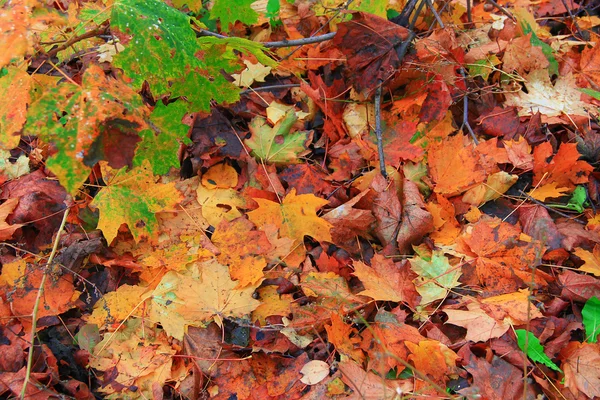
{"points": [[231, 235]]}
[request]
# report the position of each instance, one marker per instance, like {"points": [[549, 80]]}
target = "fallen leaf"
{"points": [[551, 100], [591, 260], [479, 325], [202, 293], [314, 372], [581, 363], [386, 281]]}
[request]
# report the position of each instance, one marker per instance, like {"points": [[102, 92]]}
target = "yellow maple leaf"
{"points": [[296, 216], [204, 292], [253, 73], [117, 306], [141, 357], [548, 191], [591, 260]]}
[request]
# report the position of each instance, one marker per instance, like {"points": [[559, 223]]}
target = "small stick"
{"points": [[469, 13], [36, 306], [94, 32], [562, 214], [466, 111], [579, 32], [501, 9], [270, 87], [378, 130], [435, 13], [205, 32], [281, 43], [299, 42]]}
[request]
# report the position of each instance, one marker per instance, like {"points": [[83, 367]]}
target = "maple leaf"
{"points": [[591, 260], [229, 11], [386, 281], [434, 359], [551, 100], [161, 142], [132, 198], [253, 73], [581, 365], [117, 306], [278, 144], [86, 124], [436, 277], [550, 190], [272, 303], [217, 197], [503, 257], [14, 98], [187, 66], [479, 325], [7, 230], [367, 385], [203, 292], [295, 217], [24, 281], [454, 167], [140, 355], [344, 337], [369, 43], [564, 168]]}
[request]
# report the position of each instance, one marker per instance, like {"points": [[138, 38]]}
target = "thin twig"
{"points": [[36, 306], [344, 7], [574, 20], [378, 130], [205, 32], [435, 14], [469, 13], [562, 214], [280, 43], [465, 122], [501, 9], [270, 87], [90, 34], [300, 42]]}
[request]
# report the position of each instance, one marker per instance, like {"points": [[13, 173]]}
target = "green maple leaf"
{"points": [[162, 49], [534, 350], [591, 319], [85, 124], [229, 11], [436, 277], [160, 144], [133, 198], [277, 144]]}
